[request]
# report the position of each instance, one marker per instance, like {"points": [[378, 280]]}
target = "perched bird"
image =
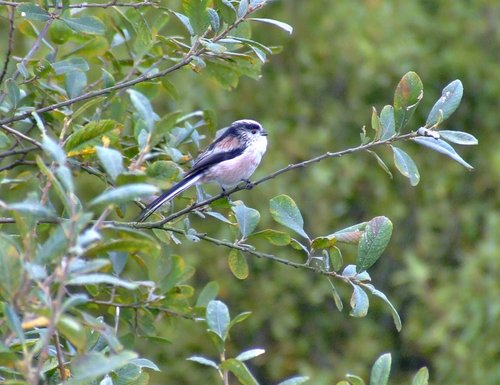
{"points": [[230, 159]]}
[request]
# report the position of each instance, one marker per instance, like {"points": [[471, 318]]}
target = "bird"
{"points": [[230, 159]]}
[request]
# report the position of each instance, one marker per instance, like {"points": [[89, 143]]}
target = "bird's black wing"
{"points": [[209, 160]]}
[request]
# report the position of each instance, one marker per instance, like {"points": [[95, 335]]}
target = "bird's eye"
{"points": [[254, 131]]}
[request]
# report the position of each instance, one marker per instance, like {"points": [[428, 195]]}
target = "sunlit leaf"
{"points": [[284, 26], [387, 123], [359, 302], [33, 12], [408, 95], [249, 354], [203, 361], [295, 381], [422, 377], [240, 371], [217, 317], [277, 238], [285, 211], [196, 11], [90, 135], [373, 242], [442, 147], [446, 104], [381, 370], [124, 194], [247, 218], [73, 331], [355, 380], [96, 279], [207, 294], [111, 160], [458, 137]]}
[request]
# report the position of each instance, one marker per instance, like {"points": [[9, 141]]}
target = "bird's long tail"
{"points": [[167, 196]]}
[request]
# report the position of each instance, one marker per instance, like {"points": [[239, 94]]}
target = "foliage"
{"points": [[81, 287]]}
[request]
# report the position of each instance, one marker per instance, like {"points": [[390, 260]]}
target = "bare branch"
{"points": [[92, 5], [10, 44], [21, 135]]}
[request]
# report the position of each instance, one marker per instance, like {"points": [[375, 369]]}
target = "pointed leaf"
{"points": [[249, 354], [406, 166], [373, 242], [408, 94], [359, 302], [394, 312], [144, 108], [422, 377], [196, 11], [90, 135], [355, 380], [13, 321], [458, 137], [203, 361], [53, 149], [381, 370], [295, 381], [285, 211], [207, 294], [447, 103], [381, 163], [217, 317], [86, 24], [240, 371], [111, 160], [96, 279], [284, 26], [13, 92], [124, 194], [442, 147], [247, 218]]}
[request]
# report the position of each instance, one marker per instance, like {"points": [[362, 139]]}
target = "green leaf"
{"points": [[381, 163], [75, 83], [33, 12], [458, 137], [381, 370], [323, 242], [185, 21], [30, 208], [5, 141], [355, 380], [144, 108], [408, 95], [285, 211], [53, 149], [203, 361], [447, 103], [394, 312], [74, 63], [240, 371], [13, 322], [91, 103], [124, 194], [406, 166], [96, 279], [387, 123], [86, 24], [284, 26], [217, 317], [373, 242], [13, 92], [238, 264], [95, 364], [247, 218], [249, 354], [359, 302], [242, 8], [336, 258], [214, 19], [277, 238], [111, 160], [145, 363], [64, 197], [73, 331], [196, 11], [295, 381], [207, 294], [375, 123], [90, 135], [10, 267], [239, 318], [422, 377], [442, 147]]}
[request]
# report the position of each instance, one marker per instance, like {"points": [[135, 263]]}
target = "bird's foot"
{"points": [[248, 184]]}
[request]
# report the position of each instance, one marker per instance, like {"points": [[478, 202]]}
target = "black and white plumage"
{"points": [[230, 159]]}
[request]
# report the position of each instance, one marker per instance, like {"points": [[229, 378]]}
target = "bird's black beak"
{"points": [[264, 133]]}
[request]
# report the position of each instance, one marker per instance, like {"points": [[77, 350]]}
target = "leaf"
{"points": [[359, 302], [323, 242], [407, 96], [86, 24], [249, 354], [240, 371], [238, 264], [239, 318], [285, 211], [13, 92], [217, 317], [446, 104], [442, 147], [5, 143], [207, 294], [30, 208], [111, 160], [185, 21], [53, 149], [242, 8], [295, 381], [10, 267], [196, 11], [394, 312], [95, 364], [73, 331], [373, 242], [284, 26], [387, 123], [203, 361], [124, 194], [381, 163], [33, 12], [91, 103], [277, 238], [90, 135], [74, 63], [355, 380], [458, 137], [422, 377], [13, 321], [214, 19], [247, 218], [144, 108], [406, 166], [381, 370], [96, 279], [145, 363], [351, 234], [75, 83]]}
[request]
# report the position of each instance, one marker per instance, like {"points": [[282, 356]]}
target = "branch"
{"points": [[90, 5], [25, 150], [9, 46], [21, 135]]}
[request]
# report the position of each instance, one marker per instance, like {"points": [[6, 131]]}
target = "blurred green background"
{"points": [[442, 266]]}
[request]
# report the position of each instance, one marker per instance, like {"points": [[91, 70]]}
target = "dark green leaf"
{"points": [[336, 297], [203, 361], [111, 160], [13, 92], [217, 317], [422, 377], [442, 147], [196, 11], [240, 371], [249, 354], [285, 211], [408, 94], [75, 83], [207, 294], [86, 24], [95, 364], [284, 26], [33, 12], [247, 218], [381, 163], [96, 279], [373, 242], [458, 137], [74, 63], [387, 123], [447, 103], [277, 238], [359, 302], [90, 135], [381, 370], [406, 166]]}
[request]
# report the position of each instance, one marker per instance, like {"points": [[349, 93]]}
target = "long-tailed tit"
{"points": [[230, 159]]}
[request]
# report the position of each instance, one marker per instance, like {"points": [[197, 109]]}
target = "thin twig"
{"points": [[17, 162], [10, 45], [21, 135], [91, 5], [139, 305], [60, 358], [18, 151]]}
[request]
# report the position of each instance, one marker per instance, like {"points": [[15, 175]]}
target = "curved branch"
{"points": [[10, 45]]}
